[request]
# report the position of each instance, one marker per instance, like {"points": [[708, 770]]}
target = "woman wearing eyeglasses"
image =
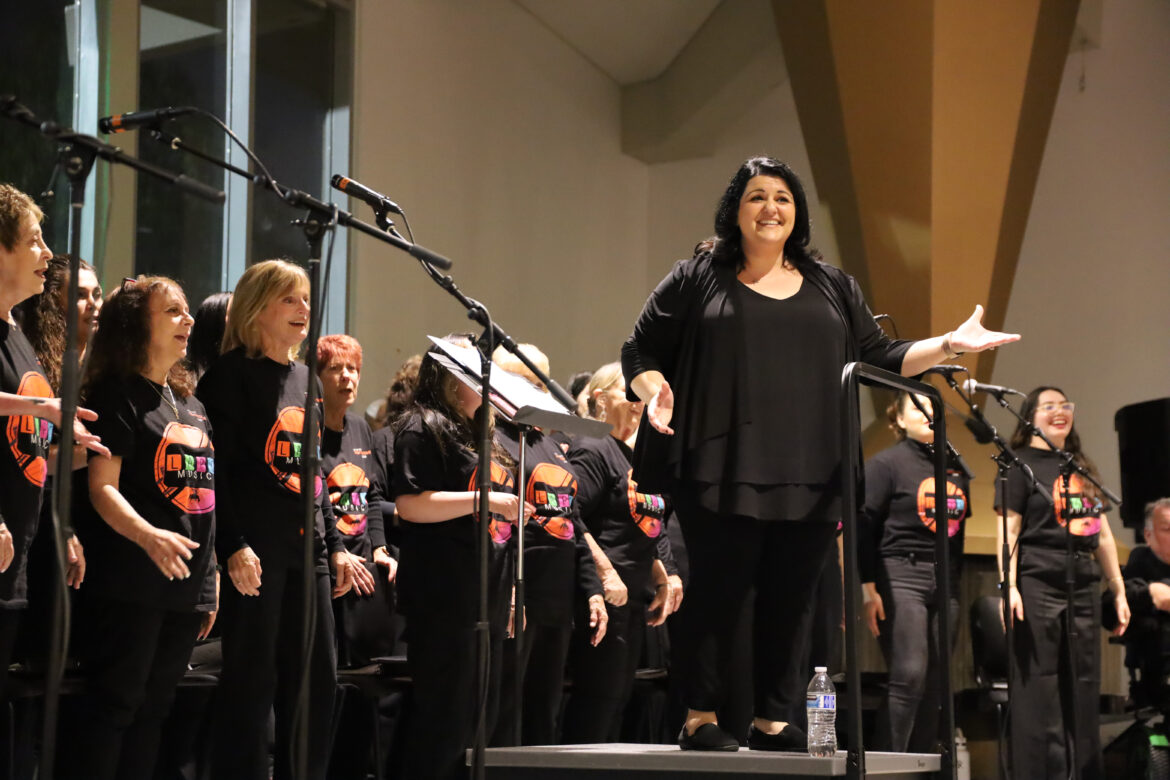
{"points": [[1041, 726]]}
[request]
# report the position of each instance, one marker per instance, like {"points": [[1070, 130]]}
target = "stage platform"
{"points": [[617, 761]]}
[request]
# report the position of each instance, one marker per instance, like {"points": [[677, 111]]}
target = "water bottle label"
{"points": [[823, 701]]}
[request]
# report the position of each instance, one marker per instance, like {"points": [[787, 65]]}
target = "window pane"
{"points": [[183, 61], [35, 66], [292, 99]]}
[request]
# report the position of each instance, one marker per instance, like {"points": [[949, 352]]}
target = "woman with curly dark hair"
{"points": [[152, 580], [1038, 529], [42, 317], [741, 348]]}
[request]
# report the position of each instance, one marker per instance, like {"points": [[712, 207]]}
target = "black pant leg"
{"points": [[441, 721], [792, 556], [247, 685], [9, 628], [906, 589], [723, 554], [600, 687], [1037, 730], [140, 742], [322, 678], [544, 684]]}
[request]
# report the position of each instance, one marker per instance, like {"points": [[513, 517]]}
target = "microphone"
{"points": [[120, 123], [363, 193], [972, 387], [946, 370]]}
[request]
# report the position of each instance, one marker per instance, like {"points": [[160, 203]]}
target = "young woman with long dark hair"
{"points": [[1042, 718]]}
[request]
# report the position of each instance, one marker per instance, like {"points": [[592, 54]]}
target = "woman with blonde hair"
{"points": [[255, 398], [630, 549]]}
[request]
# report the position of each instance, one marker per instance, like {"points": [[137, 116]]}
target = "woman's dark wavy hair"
{"points": [[400, 393], [436, 404], [1022, 437], [207, 332], [121, 346], [726, 245], [42, 318]]}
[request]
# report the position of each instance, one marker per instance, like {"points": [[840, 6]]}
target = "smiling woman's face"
{"points": [[284, 321]]}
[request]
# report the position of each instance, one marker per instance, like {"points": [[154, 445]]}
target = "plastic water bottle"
{"points": [[821, 707]]}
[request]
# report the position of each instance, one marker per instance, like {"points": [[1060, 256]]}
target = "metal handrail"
{"points": [[853, 375]]}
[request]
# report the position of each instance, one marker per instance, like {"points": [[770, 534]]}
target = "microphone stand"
{"points": [[76, 155], [1068, 465], [1005, 459]]}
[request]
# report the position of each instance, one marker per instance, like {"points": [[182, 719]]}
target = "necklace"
{"points": [[169, 401]]}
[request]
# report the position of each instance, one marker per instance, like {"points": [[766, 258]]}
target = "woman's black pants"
{"points": [[135, 655], [909, 717], [603, 676], [729, 555], [546, 650], [1041, 706], [262, 670]]}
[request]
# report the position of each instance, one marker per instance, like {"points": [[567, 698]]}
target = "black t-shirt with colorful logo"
{"points": [[557, 561], [1042, 526], [168, 476], [23, 461], [438, 572], [899, 513], [626, 522], [349, 464], [256, 406]]}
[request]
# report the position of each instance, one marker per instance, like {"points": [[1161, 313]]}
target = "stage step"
{"points": [[617, 761]]}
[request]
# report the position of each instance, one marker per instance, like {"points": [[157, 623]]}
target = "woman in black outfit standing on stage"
{"points": [[896, 558], [255, 396], [151, 588], [1041, 715], [28, 413], [435, 470], [627, 536], [753, 460]]}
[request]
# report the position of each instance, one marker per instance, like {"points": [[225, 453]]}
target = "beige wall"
{"points": [[1092, 286], [503, 144]]}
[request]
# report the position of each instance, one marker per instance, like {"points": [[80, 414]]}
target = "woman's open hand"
{"points": [[971, 336], [661, 409]]}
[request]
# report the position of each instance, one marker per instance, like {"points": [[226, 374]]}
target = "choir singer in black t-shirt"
{"points": [[28, 416], [896, 558], [738, 355], [1042, 717], [255, 399], [152, 584], [435, 476]]}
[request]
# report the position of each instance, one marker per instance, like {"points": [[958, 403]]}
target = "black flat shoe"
{"points": [[707, 737], [790, 738]]}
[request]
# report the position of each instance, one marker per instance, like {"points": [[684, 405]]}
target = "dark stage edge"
{"points": [[619, 761]]}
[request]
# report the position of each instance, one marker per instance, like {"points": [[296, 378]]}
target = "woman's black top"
{"points": [[168, 476], [557, 561], [349, 465], [23, 460], [257, 411], [626, 521], [899, 512], [1040, 528], [438, 571], [735, 359]]}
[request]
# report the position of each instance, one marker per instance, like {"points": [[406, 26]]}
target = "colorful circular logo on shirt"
{"points": [[499, 528], [28, 435], [348, 490], [1083, 510], [551, 490], [184, 468], [646, 509], [956, 505], [282, 450]]}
